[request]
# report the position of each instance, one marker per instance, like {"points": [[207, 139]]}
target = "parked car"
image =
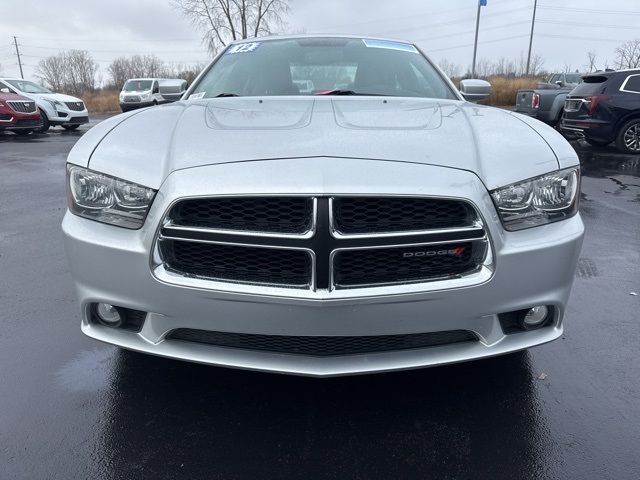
{"points": [[139, 93], [172, 90], [605, 108], [386, 226], [546, 102], [56, 109], [18, 114]]}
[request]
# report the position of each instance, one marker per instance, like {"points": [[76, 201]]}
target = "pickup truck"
{"points": [[546, 102]]}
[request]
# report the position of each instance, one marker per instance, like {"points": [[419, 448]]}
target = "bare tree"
{"points": [[450, 69], [223, 21], [51, 71], [72, 71], [628, 54], [591, 61], [537, 62]]}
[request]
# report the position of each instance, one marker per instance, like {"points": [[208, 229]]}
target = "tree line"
{"points": [[76, 72]]}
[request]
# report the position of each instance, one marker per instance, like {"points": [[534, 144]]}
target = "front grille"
{"points": [[322, 346], [405, 264], [321, 243], [291, 215], [133, 98], [357, 215], [291, 268], [23, 106], [28, 123], [75, 106], [77, 120]]}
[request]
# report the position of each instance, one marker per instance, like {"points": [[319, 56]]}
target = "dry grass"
{"points": [[103, 101], [503, 90]]}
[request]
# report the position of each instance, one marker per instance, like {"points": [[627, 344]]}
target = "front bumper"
{"points": [[126, 106], [528, 268]]}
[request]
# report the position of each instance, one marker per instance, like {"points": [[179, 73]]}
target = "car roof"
{"points": [[318, 35], [610, 73]]}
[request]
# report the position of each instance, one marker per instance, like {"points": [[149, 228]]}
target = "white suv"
{"points": [[55, 108]]}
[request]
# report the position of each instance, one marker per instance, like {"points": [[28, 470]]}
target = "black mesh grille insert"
{"points": [[386, 214], [322, 346], [405, 264], [264, 214], [291, 268]]}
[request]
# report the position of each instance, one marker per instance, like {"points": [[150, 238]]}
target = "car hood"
{"points": [[61, 97], [145, 147], [12, 96]]}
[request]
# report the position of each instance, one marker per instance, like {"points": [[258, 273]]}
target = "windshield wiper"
{"points": [[223, 95], [350, 92]]}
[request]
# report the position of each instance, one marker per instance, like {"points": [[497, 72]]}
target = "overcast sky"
{"points": [[564, 32]]}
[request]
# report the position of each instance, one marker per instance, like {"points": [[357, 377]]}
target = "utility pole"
{"points": [[15, 42], [533, 23], [475, 45]]}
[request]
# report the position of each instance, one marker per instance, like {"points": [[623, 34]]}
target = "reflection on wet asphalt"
{"points": [[73, 408]]}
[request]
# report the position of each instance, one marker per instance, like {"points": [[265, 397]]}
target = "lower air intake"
{"points": [[322, 346]]}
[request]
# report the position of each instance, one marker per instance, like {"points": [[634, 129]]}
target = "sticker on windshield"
{"points": [[197, 96], [405, 47], [242, 48]]}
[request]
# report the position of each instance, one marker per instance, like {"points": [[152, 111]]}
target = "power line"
{"points": [[114, 51], [587, 39], [457, 34], [589, 10], [480, 43], [593, 25]]}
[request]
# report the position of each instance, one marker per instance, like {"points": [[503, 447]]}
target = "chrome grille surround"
{"points": [[23, 106], [322, 285], [75, 106]]}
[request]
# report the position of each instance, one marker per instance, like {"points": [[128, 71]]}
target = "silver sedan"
{"points": [[377, 222]]}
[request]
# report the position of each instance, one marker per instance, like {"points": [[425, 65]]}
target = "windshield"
{"points": [[317, 66], [137, 85], [573, 77], [27, 86]]}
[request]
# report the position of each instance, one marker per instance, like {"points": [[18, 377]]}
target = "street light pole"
{"points": [[533, 23], [475, 45]]}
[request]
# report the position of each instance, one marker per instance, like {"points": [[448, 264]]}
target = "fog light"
{"points": [[535, 317], [109, 315]]}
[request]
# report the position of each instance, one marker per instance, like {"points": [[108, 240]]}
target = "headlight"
{"points": [[54, 103], [540, 200], [107, 199]]}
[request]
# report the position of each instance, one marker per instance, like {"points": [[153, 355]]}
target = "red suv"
{"points": [[18, 114]]}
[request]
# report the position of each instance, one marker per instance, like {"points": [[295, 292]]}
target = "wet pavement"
{"points": [[72, 408]]}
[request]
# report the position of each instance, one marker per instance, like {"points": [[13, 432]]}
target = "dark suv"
{"points": [[605, 108]]}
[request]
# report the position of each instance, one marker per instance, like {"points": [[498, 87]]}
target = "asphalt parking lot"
{"points": [[72, 408]]}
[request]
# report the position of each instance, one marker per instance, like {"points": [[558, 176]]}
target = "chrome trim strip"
{"points": [[311, 285], [624, 85], [254, 292], [484, 263], [477, 224], [7, 121]]}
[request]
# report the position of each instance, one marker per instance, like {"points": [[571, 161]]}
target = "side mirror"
{"points": [[474, 90], [156, 89], [559, 83], [5, 90]]}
